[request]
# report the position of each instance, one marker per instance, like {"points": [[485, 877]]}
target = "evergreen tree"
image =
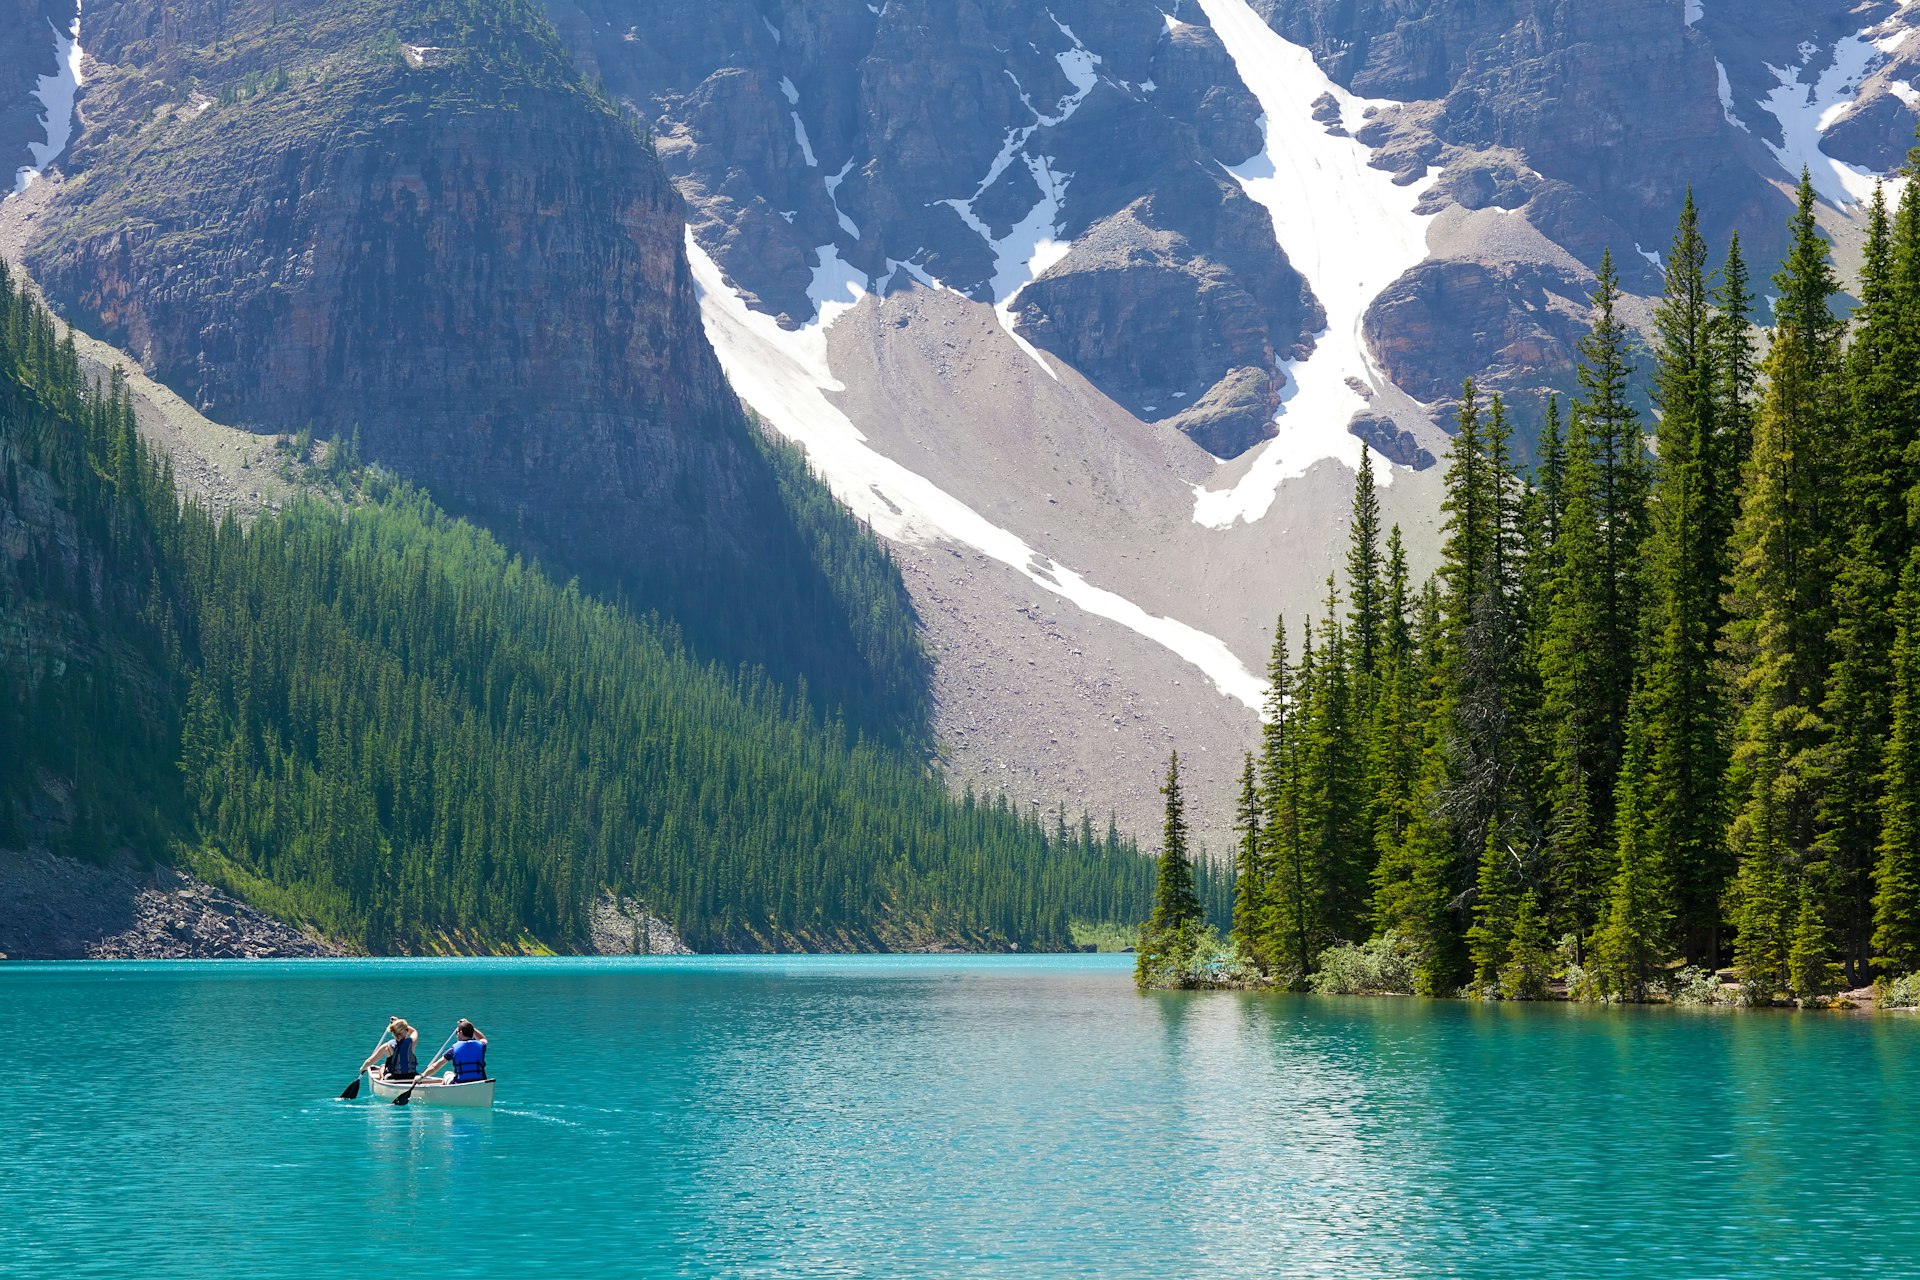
{"points": [[1471, 762], [1336, 773], [1587, 652], [1896, 875], [1781, 589], [1679, 797], [1394, 737], [1176, 906], [1873, 479], [1365, 618], [1250, 888], [1172, 930], [1633, 939], [1530, 963]]}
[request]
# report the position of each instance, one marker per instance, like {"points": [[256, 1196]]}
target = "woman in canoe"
{"points": [[468, 1054], [397, 1050]]}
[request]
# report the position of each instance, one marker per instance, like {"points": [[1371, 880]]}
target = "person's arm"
{"points": [[386, 1047]]}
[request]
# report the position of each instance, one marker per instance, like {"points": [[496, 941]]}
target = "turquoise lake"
{"points": [[933, 1116]]}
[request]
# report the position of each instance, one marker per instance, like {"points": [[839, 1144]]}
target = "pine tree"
{"points": [[1290, 912], [1496, 899], [1250, 878], [1530, 962], [1393, 738], [1587, 652], [1336, 772], [1471, 762], [1873, 480], [1171, 932], [1633, 939], [1896, 874], [1779, 599], [1680, 796], [1365, 614]]}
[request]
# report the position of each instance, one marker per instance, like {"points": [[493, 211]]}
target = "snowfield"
{"points": [[1806, 109], [56, 93], [1344, 225], [783, 374]]}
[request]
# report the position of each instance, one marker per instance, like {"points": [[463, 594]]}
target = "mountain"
{"points": [[371, 719], [1086, 307], [419, 228], [1106, 297]]}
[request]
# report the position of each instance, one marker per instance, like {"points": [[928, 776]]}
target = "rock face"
{"points": [[413, 251], [1517, 324], [420, 227], [971, 144]]}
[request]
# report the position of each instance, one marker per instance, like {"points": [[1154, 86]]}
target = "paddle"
{"points": [[407, 1097], [352, 1091]]}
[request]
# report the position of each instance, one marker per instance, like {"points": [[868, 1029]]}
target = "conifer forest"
{"points": [[1657, 716], [366, 716]]}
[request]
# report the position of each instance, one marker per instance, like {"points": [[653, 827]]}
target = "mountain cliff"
{"points": [[418, 226]]}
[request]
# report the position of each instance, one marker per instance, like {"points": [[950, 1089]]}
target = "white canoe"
{"points": [[434, 1091]]}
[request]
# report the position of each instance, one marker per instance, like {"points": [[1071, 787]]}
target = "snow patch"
{"points": [[785, 377], [1806, 110], [1033, 244], [56, 94], [1726, 98], [1904, 90], [1694, 12], [833, 182], [771, 29], [799, 127], [1344, 225]]}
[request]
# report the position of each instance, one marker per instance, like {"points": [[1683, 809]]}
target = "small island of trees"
{"points": [[1653, 729]]}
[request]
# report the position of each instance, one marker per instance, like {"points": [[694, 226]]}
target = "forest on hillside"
{"points": [[365, 715], [1657, 716]]}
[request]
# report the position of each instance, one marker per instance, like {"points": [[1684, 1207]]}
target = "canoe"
{"points": [[434, 1091]]}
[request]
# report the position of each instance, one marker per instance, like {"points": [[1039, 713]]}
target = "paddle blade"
{"points": [[352, 1091], [403, 1099]]}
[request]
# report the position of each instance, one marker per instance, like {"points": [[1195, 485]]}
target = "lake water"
{"points": [[972, 1117]]}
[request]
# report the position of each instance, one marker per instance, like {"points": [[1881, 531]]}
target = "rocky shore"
{"points": [[54, 908]]}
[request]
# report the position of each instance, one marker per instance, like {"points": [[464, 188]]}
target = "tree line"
{"points": [[1658, 712], [365, 714]]}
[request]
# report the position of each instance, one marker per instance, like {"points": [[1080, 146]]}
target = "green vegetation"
{"points": [[372, 717], [1655, 715]]}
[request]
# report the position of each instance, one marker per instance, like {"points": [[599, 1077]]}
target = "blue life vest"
{"points": [[400, 1063], [469, 1059]]}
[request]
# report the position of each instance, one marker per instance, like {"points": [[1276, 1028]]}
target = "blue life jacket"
{"points": [[400, 1063], [469, 1059]]}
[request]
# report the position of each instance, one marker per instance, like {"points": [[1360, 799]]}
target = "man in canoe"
{"points": [[397, 1050], [468, 1054]]}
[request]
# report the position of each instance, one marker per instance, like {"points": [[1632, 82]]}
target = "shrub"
{"points": [[1694, 985], [1383, 966], [1902, 992]]}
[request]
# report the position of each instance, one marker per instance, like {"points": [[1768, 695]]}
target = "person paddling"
{"points": [[397, 1050], [468, 1055]]}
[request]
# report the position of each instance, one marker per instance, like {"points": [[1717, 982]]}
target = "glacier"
{"points": [[1345, 225]]}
